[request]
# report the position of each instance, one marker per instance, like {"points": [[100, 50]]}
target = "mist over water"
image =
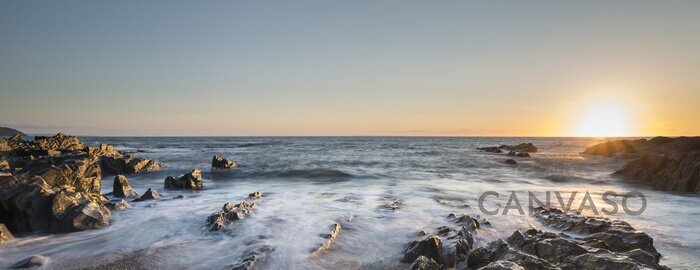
{"points": [[312, 182]]}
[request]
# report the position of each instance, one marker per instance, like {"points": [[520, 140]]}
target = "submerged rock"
{"points": [[192, 180], [5, 234], [221, 163], [329, 238], [510, 162], [122, 189], [491, 149], [31, 262], [228, 214], [253, 259]]}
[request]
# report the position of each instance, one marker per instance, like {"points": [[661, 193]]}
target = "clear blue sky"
{"points": [[345, 68]]}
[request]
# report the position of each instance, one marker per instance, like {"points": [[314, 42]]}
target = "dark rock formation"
{"points": [[5, 234], [128, 164], [521, 154], [334, 230], [429, 246], [671, 164], [221, 163], [228, 214], [523, 147], [425, 263], [31, 262], [191, 180], [255, 195], [600, 244], [122, 189], [150, 194], [391, 203], [448, 247], [510, 162]]}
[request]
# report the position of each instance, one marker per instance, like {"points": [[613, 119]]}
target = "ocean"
{"points": [[310, 183]]}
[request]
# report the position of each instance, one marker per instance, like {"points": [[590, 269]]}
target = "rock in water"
{"points": [[221, 163], [31, 262], [330, 237], [122, 189], [119, 204], [523, 147], [490, 149], [429, 246], [5, 234], [150, 194], [511, 162], [228, 214], [255, 195], [425, 263], [192, 180]]}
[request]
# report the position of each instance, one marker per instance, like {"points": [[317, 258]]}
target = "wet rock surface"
{"points": [[191, 180], [221, 163], [122, 189], [670, 164], [255, 195], [5, 234], [35, 261], [150, 194], [254, 259], [53, 183], [229, 214], [599, 244], [448, 247]]}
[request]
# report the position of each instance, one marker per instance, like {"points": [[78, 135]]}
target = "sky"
{"points": [[401, 68]]}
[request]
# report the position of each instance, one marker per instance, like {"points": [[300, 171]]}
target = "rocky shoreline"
{"points": [[669, 164], [53, 184]]}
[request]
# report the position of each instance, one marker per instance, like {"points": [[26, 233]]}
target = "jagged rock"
{"points": [[392, 203], [523, 147], [5, 234], [192, 180], [600, 244], [119, 204], [78, 212], [471, 223], [425, 263], [502, 265], [150, 194], [128, 164], [228, 214], [429, 246], [59, 141], [511, 162], [103, 150], [31, 262], [329, 238], [122, 189], [221, 163], [255, 195]]}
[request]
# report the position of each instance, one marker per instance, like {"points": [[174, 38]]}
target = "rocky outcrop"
{"points": [[221, 163], [5, 234], [128, 164], [253, 259], [448, 247], [510, 162], [119, 204], [520, 154], [60, 142], [329, 238], [191, 180], [122, 189], [523, 147], [599, 244], [670, 164], [425, 263], [491, 149], [229, 214]]}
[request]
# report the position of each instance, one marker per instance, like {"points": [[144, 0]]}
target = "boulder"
{"points": [[122, 189], [128, 164], [192, 180], [221, 163], [229, 214], [119, 204], [150, 194], [5, 234], [491, 149]]}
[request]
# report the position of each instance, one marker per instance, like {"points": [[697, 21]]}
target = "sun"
{"points": [[603, 120]]}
